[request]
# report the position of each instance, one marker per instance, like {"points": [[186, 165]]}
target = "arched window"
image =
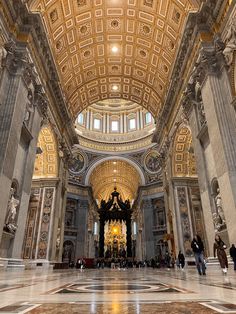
{"points": [[80, 119], [97, 124], [115, 126], [132, 124], [148, 118]]}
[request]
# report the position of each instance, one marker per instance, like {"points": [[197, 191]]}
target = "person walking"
{"points": [[198, 250], [219, 249], [181, 260], [232, 252]]}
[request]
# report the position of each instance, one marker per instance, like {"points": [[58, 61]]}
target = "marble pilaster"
{"points": [[82, 210], [56, 244], [200, 139], [148, 228], [12, 94], [221, 121], [26, 179]]}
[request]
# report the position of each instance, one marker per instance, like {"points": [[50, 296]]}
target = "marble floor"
{"points": [[115, 291]]}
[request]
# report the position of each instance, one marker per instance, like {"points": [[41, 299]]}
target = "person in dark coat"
{"points": [[219, 249], [198, 250], [232, 252], [181, 260]]}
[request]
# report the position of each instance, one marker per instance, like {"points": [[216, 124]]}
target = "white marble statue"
{"points": [[230, 43], [12, 210], [58, 241], [219, 207], [3, 54]]}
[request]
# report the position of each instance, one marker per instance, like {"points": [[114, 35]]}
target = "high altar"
{"points": [[115, 239], [115, 227]]}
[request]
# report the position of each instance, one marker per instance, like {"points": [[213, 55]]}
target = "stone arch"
{"points": [[132, 163], [183, 159], [46, 162]]}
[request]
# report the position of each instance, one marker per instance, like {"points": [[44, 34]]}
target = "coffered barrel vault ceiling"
{"points": [[114, 173], [83, 34]]}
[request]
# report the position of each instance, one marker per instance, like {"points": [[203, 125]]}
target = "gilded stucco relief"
{"points": [[106, 49], [46, 163], [183, 162]]}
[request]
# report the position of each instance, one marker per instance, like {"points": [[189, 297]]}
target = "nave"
{"points": [[114, 291]]}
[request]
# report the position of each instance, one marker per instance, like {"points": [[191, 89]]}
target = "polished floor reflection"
{"points": [[107, 291]]}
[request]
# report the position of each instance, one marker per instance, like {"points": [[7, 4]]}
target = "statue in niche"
{"points": [[201, 113], [230, 43], [218, 217], [58, 241], [217, 222], [11, 212]]}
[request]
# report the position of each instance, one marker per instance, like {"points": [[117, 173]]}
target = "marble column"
{"points": [[101, 238], [129, 238], [139, 245]]}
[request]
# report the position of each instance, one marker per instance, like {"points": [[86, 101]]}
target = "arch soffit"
{"points": [[46, 162], [82, 35], [183, 159], [120, 174], [97, 163]]}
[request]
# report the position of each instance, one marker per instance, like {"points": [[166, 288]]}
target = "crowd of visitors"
{"points": [[168, 260]]}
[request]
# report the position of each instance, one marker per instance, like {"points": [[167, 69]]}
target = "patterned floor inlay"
{"points": [[168, 307], [18, 308], [118, 287], [221, 307], [6, 287], [226, 285]]}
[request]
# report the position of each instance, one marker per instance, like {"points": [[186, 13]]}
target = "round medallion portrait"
{"points": [[78, 163], [152, 162]]}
